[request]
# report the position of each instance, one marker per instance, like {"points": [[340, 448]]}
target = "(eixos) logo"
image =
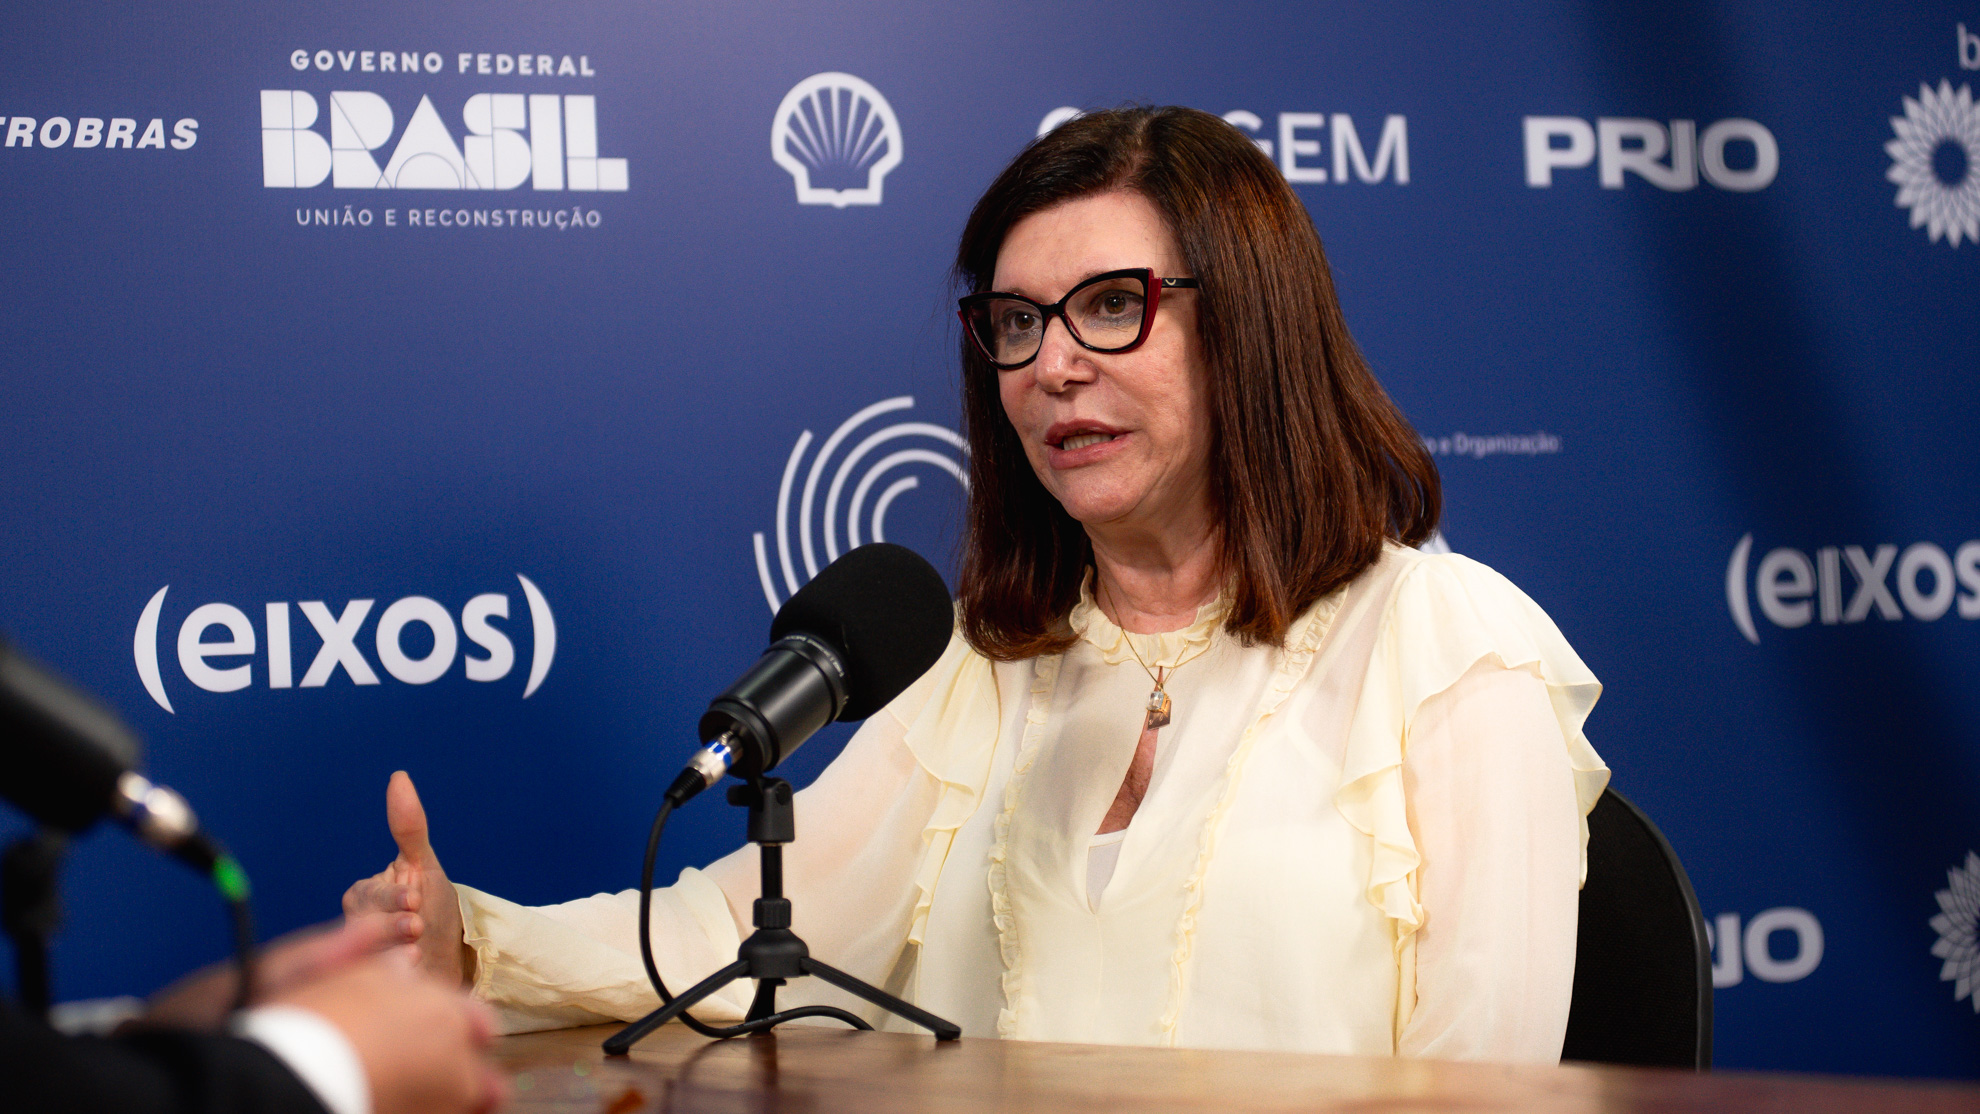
{"points": [[860, 527], [1793, 590], [837, 137], [1935, 161], [339, 633]]}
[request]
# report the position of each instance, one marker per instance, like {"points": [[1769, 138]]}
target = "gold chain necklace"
{"points": [[1159, 704]]}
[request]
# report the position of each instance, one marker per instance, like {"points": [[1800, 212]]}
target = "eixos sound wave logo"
{"points": [[861, 524], [339, 634]]}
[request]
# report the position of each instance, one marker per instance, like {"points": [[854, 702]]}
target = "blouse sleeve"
{"points": [[1471, 684], [1492, 803], [850, 877]]}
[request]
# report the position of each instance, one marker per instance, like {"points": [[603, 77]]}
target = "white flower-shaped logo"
{"points": [[1958, 926], [1935, 161]]}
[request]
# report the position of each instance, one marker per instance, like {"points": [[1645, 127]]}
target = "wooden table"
{"points": [[820, 1070]]}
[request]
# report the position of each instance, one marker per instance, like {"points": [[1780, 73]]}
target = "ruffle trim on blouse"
{"points": [[1445, 614], [1302, 643], [1165, 649], [953, 738], [1044, 682]]}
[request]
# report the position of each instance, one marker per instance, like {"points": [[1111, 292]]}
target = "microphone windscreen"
{"points": [[887, 612], [61, 752]]}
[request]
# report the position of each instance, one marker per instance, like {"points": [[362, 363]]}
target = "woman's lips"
{"points": [[1081, 445]]}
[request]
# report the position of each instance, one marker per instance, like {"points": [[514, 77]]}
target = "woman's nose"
{"points": [[1061, 361]]}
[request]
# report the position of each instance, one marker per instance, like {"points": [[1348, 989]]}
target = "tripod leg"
{"points": [[943, 1030], [621, 1042], [766, 1000]]}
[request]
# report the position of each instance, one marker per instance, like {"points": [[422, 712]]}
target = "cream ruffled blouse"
{"points": [[1367, 841]]}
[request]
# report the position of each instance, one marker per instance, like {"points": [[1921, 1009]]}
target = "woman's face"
{"points": [[1120, 439]]}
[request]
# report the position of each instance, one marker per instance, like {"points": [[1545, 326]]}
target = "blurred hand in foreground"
{"points": [[420, 1040], [202, 999], [423, 1042]]}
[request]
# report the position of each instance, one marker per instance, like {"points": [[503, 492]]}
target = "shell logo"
{"points": [[831, 130], [822, 509]]}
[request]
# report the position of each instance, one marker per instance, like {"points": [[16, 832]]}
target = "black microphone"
{"points": [[67, 762], [841, 648]]}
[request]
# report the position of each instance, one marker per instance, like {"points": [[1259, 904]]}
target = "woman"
{"points": [[1213, 759]]}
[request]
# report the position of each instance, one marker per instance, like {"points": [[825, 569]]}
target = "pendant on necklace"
{"points": [[1158, 707]]}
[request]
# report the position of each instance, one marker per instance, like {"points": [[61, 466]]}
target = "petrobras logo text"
{"points": [[211, 665], [114, 133], [549, 140], [1296, 143], [1735, 154], [1794, 588]]}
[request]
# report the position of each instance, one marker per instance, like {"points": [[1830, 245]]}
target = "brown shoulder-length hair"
{"points": [[1313, 466]]}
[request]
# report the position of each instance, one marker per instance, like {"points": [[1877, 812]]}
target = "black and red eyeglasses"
{"points": [[1109, 312]]}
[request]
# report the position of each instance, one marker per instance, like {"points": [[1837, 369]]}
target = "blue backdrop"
{"points": [[574, 339]]}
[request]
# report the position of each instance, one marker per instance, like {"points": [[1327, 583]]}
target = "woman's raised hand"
{"points": [[413, 892]]}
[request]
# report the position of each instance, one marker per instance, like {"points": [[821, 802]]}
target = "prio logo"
{"points": [[837, 137], [1958, 926], [1298, 142], [339, 632], [1630, 145], [1731, 962], [946, 457], [1793, 590], [1935, 160], [559, 151]]}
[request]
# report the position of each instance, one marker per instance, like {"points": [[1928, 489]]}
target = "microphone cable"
{"points": [[205, 854], [233, 885], [653, 971]]}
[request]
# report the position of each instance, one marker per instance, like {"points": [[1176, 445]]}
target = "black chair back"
{"points": [[1643, 966]]}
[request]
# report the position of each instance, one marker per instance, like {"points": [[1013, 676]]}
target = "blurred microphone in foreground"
{"points": [[335, 1022]]}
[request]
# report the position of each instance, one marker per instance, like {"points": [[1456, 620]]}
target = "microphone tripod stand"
{"points": [[773, 954], [30, 910]]}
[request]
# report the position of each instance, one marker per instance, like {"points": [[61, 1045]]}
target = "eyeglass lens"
{"points": [[1105, 315]]}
